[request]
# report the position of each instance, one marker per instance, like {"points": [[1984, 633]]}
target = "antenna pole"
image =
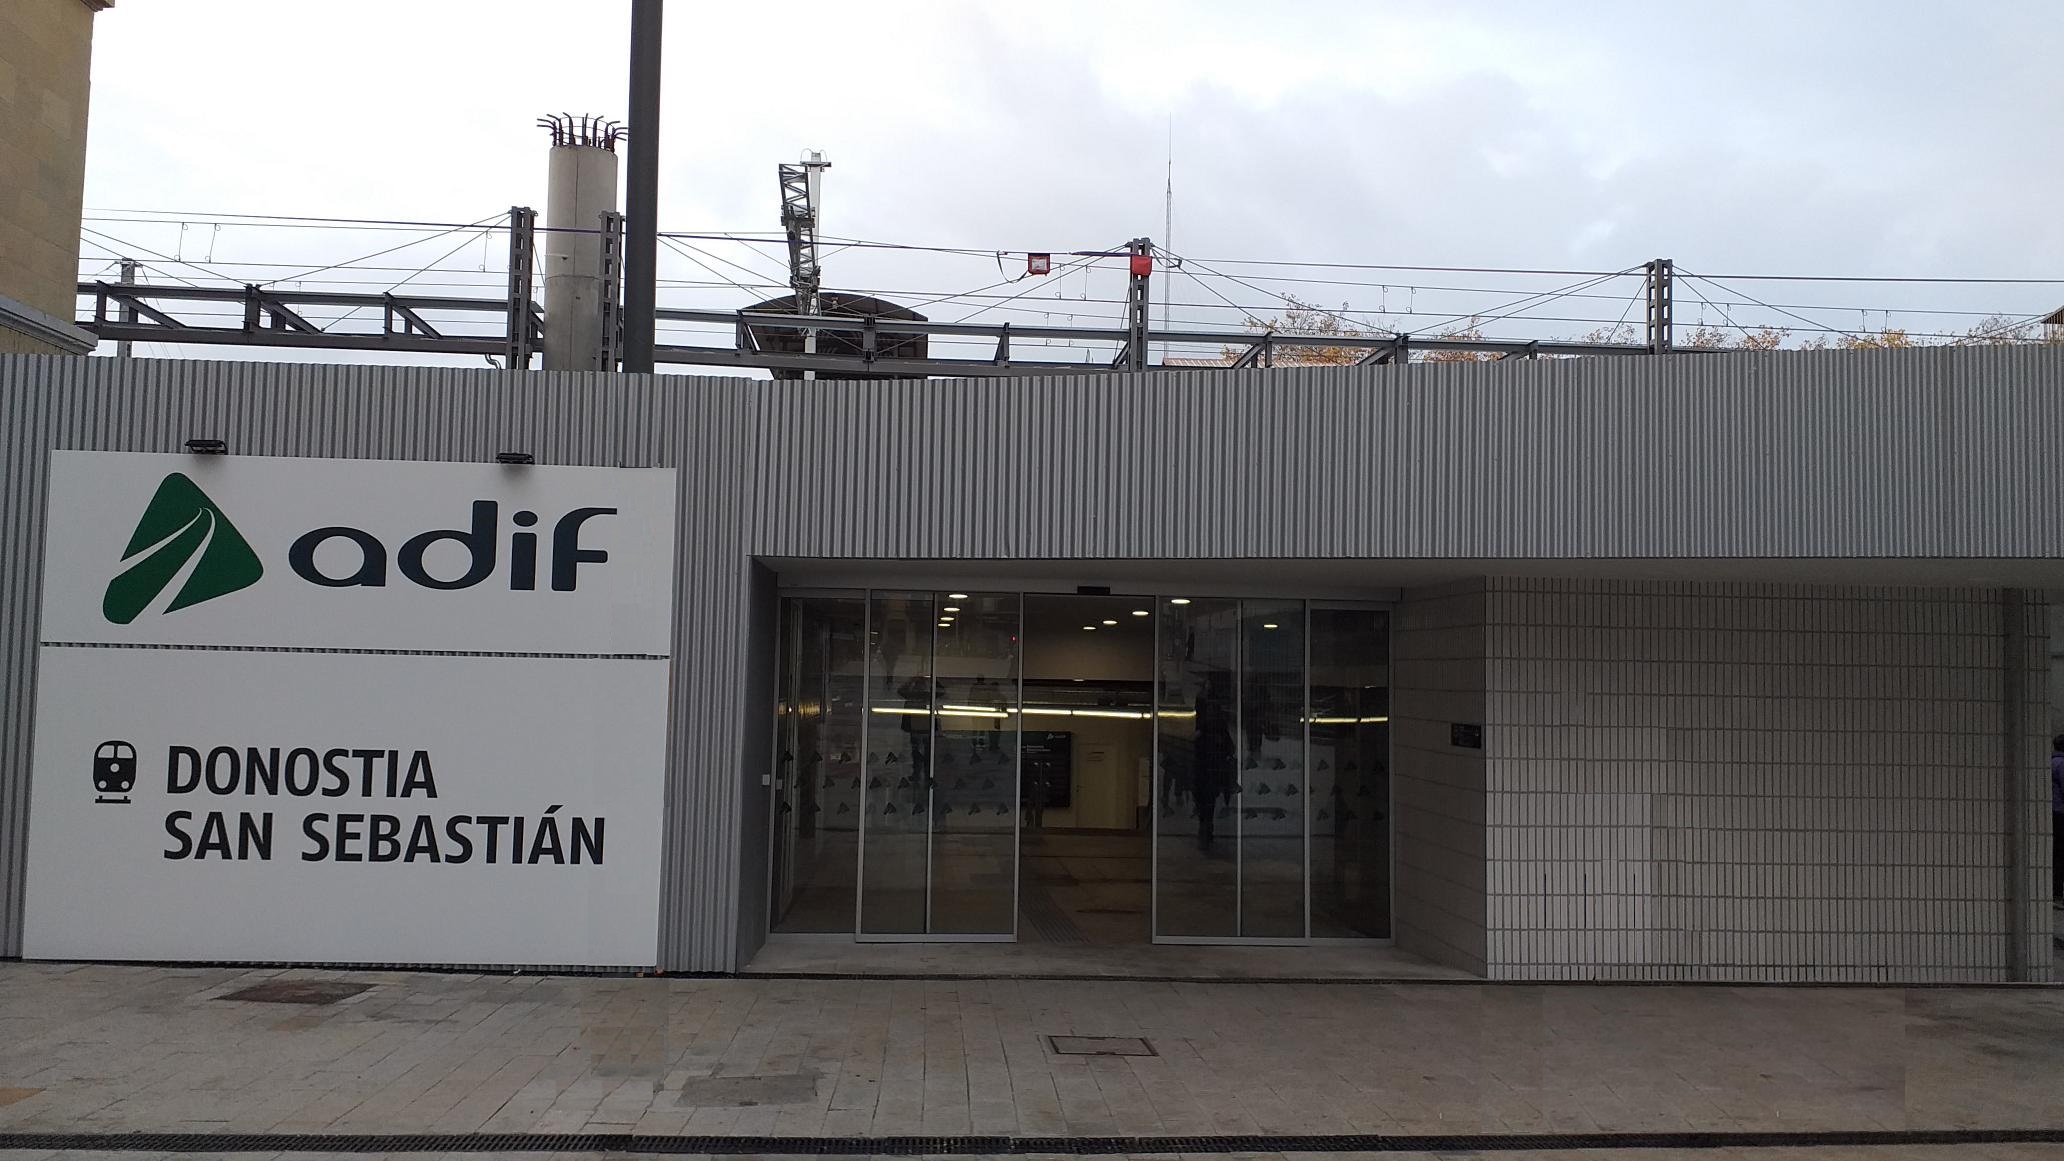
{"points": [[1168, 229]]}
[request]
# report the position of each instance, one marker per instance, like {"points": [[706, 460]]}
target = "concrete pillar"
{"points": [[582, 186]]}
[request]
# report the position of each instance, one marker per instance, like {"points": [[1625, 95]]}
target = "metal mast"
{"points": [[1662, 321], [641, 200], [802, 188], [1137, 304]]}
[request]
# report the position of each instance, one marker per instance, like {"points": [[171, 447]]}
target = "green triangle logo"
{"points": [[182, 524]]}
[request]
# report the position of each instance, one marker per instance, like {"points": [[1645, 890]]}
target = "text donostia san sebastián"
{"points": [[365, 836]]}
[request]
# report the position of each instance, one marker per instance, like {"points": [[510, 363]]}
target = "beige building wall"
{"points": [[46, 47]]}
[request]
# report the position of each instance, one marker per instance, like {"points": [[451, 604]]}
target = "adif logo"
{"points": [[184, 538]]}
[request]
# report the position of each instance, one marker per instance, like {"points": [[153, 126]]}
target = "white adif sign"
{"points": [[345, 808], [358, 554]]}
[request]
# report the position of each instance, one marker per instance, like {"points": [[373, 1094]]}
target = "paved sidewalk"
{"points": [[2021, 1152], [118, 1049]]}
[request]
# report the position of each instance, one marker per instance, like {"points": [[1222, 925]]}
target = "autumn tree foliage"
{"points": [[1306, 319]]}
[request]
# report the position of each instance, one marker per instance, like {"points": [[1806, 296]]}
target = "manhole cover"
{"points": [[1100, 1046], [296, 992]]}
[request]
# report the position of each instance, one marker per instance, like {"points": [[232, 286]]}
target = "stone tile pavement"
{"points": [[86, 1048], [2021, 1152]]}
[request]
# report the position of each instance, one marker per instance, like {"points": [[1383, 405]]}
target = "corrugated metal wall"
{"points": [[1931, 453]]}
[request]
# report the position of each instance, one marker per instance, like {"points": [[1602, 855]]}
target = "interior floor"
{"points": [[1084, 889], [823, 955]]}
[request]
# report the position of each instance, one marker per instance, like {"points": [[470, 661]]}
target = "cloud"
{"points": [[1882, 138]]}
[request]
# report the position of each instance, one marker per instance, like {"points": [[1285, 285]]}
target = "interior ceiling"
{"points": [[1048, 617], [1380, 579]]}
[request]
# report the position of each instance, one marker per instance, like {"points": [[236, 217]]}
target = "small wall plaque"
{"points": [[1467, 735]]}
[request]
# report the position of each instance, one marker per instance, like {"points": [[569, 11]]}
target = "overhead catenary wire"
{"points": [[463, 243], [1202, 274], [1065, 266], [389, 250], [132, 248], [676, 247], [1752, 298], [682, 248], [495, 276], [773, 236]]}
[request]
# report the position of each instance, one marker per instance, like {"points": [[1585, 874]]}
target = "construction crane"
{"points": [[802, 190]]}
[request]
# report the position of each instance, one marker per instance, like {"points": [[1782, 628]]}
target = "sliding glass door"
{"points": [[899, 784], [1244, 814], [939, 817]]}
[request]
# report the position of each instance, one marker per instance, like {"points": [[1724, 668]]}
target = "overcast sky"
{"points": [[1880, 138]]}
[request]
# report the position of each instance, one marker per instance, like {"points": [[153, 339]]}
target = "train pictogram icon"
{"points": [[114, 771]]}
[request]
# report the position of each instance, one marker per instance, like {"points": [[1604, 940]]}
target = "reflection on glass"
{"points": [[817, 764], [896, 838], [974, 806], [1195, 797], [1350, 748], [939, 853], [1271, 770]]}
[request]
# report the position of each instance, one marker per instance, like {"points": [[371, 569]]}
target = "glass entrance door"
{"points": [[901, 776], [939, 817], [816, 782], [1240, 807]]}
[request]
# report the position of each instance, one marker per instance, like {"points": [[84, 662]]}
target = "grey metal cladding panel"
{"points": [[23, 417], [718, 429], [1897, 453]]}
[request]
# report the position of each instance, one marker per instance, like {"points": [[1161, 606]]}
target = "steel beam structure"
{"points": [[1662, 320], [612, 242], [522, 340], [439, 323]]}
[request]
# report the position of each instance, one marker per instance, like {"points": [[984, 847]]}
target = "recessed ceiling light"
{"points": [[1139, 612], [1091, 628], [956, 596], [1271, 625], [1179, 601], [1110, 622], [952, 608]]}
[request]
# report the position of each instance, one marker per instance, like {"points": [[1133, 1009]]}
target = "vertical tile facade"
{"points": [[1437, 789], [1760, 782]]}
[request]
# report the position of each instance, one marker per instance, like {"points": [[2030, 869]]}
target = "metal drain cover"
{"points": [[1100, 1046], [296, 992]]}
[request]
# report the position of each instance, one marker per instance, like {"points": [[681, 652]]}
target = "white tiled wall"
{"points": [[1437, 791], [1731, 781]]}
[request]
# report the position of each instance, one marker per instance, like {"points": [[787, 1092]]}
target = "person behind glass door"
{"points": [[1212, 755], [985, 694], [2057, 821], [917, 725]]}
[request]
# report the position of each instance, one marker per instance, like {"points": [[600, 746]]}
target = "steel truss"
{"points": [[128, 312], [269, 318]]}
